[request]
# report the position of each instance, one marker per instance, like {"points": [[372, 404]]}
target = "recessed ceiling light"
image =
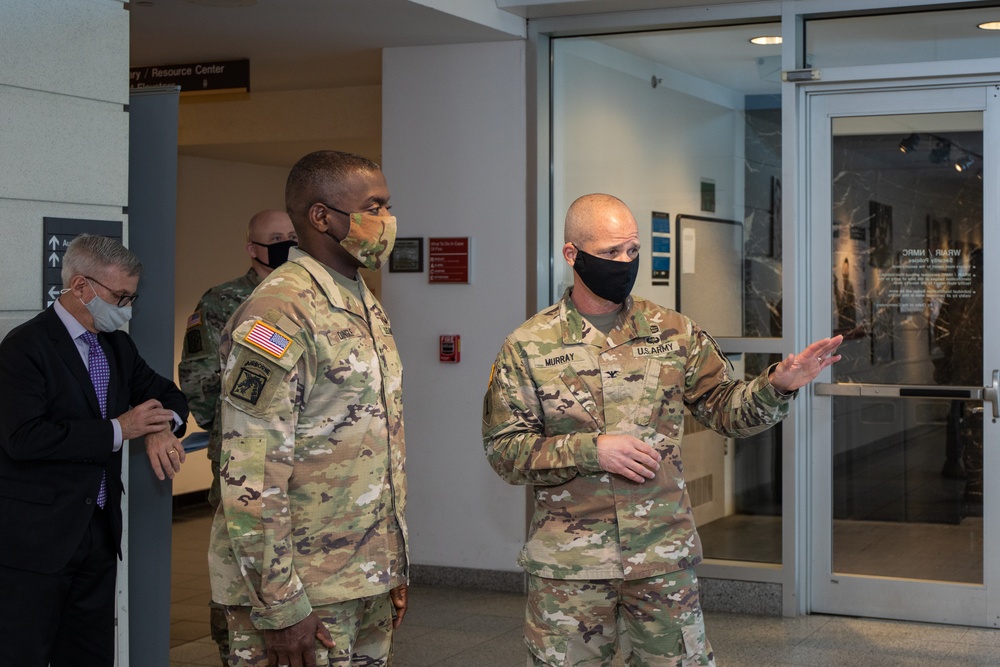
{"points": [[990, 25], [766, 40]]}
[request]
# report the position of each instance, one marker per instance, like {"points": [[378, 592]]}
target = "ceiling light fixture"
{"points": [[989, 25], [766, 40], [941, 152], [963, 162]]}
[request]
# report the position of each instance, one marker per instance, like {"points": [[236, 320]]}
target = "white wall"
{"points": [[453, 145], [63, 147], [215, 201], [64, 144]]}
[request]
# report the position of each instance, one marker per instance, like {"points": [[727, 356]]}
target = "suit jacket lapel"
{"points": [[69, 353]]}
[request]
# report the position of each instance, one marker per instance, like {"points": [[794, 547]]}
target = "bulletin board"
{"points": [[710, 276]]}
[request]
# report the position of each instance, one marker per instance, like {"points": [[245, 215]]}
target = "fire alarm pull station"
{"points": [[451, 349]]}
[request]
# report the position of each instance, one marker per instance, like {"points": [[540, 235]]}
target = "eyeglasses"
{"points": [[123, 299]]}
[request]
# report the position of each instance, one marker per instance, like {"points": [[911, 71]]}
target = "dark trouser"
{"points": [[66, 618]]}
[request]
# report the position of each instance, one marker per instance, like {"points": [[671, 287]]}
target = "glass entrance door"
{"points": [[902, 453]]}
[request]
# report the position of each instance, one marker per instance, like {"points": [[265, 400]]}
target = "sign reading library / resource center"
{"points": [[223, 76]]}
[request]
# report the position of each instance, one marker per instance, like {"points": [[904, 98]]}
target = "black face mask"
{"points": [[606, 278], [277, 253]]}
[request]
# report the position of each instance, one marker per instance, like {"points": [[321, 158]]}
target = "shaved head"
{"points": [[264, 229], [585, 215], [265, 223]]}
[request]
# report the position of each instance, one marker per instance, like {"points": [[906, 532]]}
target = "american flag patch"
{"points": [[195, 319], [270, 340]]}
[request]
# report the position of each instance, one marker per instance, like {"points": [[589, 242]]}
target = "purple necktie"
{"points": [[100, 374]]}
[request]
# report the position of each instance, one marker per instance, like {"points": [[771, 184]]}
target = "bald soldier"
{"points": [[269, 236], [586, 403], [308, 547]]}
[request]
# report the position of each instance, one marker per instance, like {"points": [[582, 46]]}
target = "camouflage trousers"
{"points": [[217, 612], [654, 622], [220, 630], [362, 630]]}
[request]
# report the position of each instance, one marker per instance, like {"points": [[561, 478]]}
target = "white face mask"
{"points": [[107, 317]]}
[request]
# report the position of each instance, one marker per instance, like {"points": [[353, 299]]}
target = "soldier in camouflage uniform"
{"points": [[586, 402], [308, 548], [269, 236]]}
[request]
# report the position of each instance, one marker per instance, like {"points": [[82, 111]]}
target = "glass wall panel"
{"points": [[907, 266], [927, 36], [750, 527], [685, 127]]}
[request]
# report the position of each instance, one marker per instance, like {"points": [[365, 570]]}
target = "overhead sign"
{"points": [[56, 236], [223, 76]]}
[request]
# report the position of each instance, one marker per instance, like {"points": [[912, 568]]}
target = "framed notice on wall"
{"points": [[407, 256], [449, 259], [662, 248], [710, 279]]}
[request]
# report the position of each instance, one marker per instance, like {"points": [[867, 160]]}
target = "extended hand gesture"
{"points": [[798, 370]]}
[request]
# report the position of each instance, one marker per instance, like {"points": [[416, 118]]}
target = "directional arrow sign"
{"points": [[57, 234]]}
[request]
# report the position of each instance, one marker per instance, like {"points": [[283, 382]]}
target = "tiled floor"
{"points": [[447, 627]]}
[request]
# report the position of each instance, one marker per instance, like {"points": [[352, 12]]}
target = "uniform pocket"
{"points": [[568, 404], [694, 645], [666, 401], [546, 649]]}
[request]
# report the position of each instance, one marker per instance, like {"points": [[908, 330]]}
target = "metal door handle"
{"points": [[991, 393], [898, 391]]}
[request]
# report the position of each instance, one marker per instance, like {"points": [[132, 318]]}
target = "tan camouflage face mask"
{"points": [[370, 238]]}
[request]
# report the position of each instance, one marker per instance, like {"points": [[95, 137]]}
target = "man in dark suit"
{"points": [[73, 388]]}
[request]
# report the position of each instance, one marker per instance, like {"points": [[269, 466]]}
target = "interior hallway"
{"points": [[462, 628]]}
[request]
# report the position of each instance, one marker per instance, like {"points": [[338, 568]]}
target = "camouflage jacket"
{"points": [[313, 485], [198, 371], [558, 384]]}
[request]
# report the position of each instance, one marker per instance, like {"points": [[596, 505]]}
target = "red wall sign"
{"points": [[449, 259]]}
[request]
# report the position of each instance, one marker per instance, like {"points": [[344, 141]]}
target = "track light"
{"points": [[909, 144], [941, 152]]}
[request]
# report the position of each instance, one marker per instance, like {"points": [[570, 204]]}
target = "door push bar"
{"points": [[991, 394]]}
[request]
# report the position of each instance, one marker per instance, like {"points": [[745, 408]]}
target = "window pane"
{"points": [[682, 124], [901, 38], [749, 527], [685, 127]]}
